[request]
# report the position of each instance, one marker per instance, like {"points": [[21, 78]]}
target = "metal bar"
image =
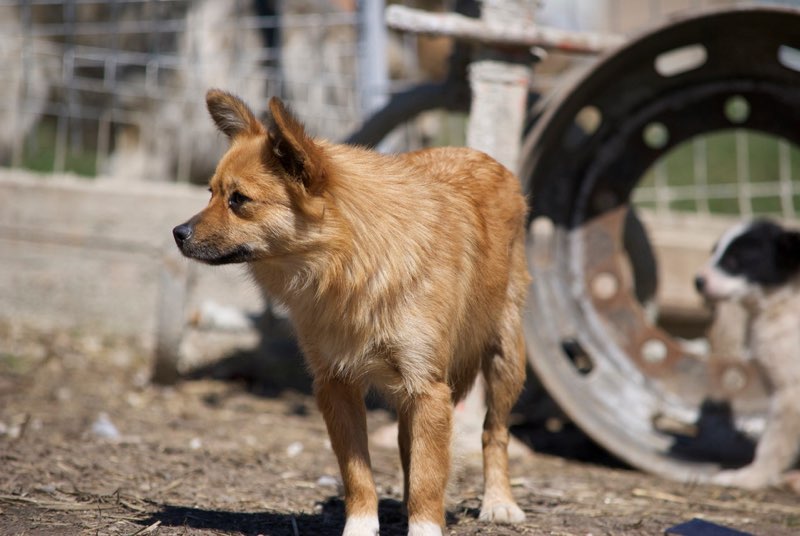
{"points": [[373, 69], [179, 25], [489, 32], [742, 173], [689, 192], [785, 179], [700, 164], [661, 183]]}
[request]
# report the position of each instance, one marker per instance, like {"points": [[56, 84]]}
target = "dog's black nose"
{"points": [[182, 233], [699, 283]]}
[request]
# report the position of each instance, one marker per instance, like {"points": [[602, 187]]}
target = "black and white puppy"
{"points": [[757, 263]]}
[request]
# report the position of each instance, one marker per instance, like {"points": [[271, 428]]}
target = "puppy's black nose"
{"points": [[699, 283], [182, 233]]}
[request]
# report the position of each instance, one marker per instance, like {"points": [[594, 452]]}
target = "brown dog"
{"points": [[405, 273]]}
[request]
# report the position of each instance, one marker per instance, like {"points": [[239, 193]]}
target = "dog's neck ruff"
{"points": [[774, 301]]}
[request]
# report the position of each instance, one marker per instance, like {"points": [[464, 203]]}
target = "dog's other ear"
{"points": [[232, 115], [788, 251], [294, 150]]}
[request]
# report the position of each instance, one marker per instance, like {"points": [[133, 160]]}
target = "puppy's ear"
{"points": [[293, 150], [788, 251], [232, 115]]}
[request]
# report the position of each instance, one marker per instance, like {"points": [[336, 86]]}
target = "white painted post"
{"points": [[499, 81]]}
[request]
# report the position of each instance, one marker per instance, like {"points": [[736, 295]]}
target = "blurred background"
{"points": [[114, 89], [110, 94]]}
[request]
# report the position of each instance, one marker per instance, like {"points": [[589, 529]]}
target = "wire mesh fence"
{"points": [[117, 87], [735, 172]]}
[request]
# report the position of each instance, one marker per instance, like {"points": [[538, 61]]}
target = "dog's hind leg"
{"points": [[504, 372], [404, 444], [342, 406]]}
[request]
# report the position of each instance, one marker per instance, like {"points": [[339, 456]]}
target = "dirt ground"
{"points": [[89, 446]]}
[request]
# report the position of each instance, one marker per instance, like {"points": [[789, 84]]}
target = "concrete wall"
{"points": [[87, 254]]}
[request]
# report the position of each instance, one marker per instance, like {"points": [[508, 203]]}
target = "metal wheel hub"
{"points": [[619, 377]]}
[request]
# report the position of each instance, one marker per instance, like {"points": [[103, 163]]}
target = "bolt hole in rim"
{"points": [[680, 60], [591, 342]]}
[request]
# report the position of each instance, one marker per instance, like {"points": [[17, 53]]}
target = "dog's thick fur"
{"points": [[404, 273], [758, 264]]}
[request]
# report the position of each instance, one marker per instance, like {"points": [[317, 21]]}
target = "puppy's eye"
{"points": [[236, 200]]}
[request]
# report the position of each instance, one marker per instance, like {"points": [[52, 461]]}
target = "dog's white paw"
{"points": [[361, 526], [424, 528], [741, 478], [501, 512]]}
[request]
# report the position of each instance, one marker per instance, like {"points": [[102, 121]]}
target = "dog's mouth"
{"points": [[709, 294], [213, 256]]}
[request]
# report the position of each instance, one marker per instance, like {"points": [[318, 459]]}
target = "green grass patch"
{"points": [[14, 364], [40, 152]]}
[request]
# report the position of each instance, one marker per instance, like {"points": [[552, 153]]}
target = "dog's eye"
{"points": [[729, 264], [236, 200]]}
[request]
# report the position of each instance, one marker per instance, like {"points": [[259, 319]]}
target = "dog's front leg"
{"points": [[426, 421], [777, 448], [342, 406]]}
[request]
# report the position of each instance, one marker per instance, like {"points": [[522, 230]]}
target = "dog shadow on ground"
{"points": [[274, 367], [329, 521]]}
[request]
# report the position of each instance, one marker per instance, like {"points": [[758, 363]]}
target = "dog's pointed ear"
{"points": [[293, 149], [788, 251], [231, 115]]}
